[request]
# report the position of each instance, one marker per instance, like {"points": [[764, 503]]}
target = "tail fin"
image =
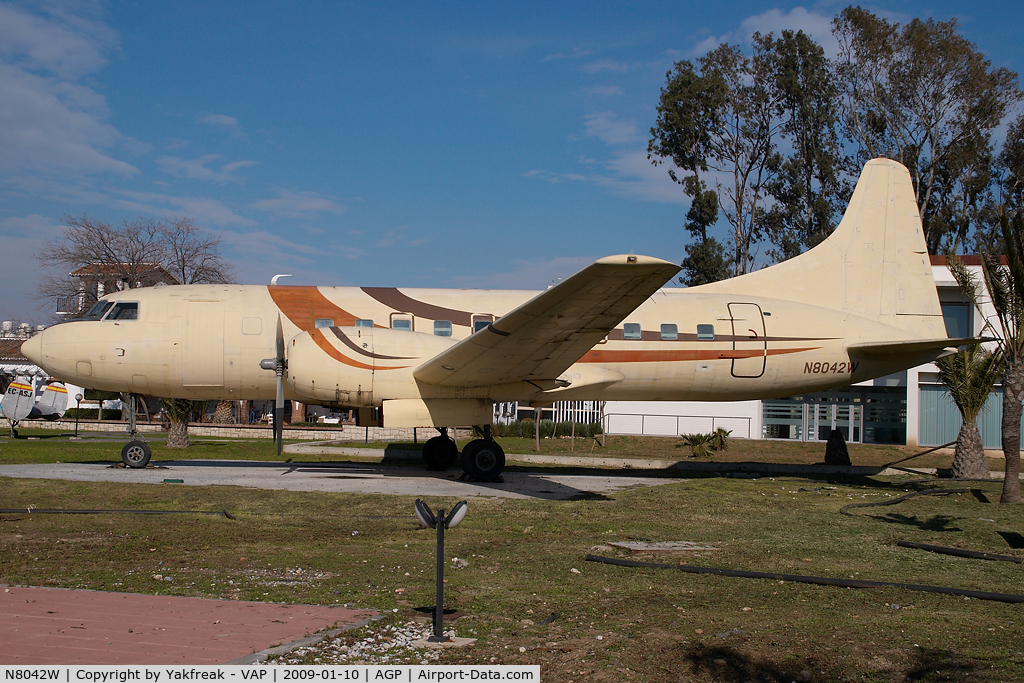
{"points": [[875, 264]]}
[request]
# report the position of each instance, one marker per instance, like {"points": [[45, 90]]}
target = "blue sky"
{"points": [[456, 144]]}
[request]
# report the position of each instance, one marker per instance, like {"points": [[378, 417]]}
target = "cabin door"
{"points": [[748, 340]]}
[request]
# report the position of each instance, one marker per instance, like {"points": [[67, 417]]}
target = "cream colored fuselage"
{"points": [[206, 342]]}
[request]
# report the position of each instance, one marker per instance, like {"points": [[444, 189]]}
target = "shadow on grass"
{"points": [[935, 523], [726, 663]]}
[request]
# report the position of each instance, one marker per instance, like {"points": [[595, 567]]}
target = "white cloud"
{"points": [[600, 65], [817, 26], [50, 121], [66, 45], [205, 210], [299, 204], [607, 128], [224, 122], [23, 238], [603, 90], [532, 274], [197, 168]]}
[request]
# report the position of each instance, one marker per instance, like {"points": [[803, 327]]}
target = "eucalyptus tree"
{"points": [[717, 122], [923, 95], [806, 190]]}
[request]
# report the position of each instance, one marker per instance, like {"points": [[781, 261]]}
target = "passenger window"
{"points": [[705, 332], [401, 321], [364, 323], [97, 311], [323, 322], [481, 321], [631, 331], [443, 328], [126, 310], [669, 331]]}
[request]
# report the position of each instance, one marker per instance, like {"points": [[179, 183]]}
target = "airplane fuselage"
{"points": [[359, 346]]}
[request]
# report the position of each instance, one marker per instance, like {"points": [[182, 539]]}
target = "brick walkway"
{"points": [[61, 626]]}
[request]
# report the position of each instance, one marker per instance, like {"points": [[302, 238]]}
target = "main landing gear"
{"points": [[482, 459]]}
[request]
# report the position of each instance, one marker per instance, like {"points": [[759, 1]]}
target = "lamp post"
{"points": [[78, 411], [440, 522]]}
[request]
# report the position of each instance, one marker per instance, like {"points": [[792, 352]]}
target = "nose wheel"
{"points": [[136, 454]]}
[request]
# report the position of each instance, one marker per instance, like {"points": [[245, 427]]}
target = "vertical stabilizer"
{"points": [[875, 264]]}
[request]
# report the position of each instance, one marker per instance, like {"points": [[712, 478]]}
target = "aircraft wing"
{"points": [[540, 339]]}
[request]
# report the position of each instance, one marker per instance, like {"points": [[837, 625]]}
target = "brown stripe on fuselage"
{"points": [[328, 348], [355, 347], [390, 296], [658, 356], [303, 305]]}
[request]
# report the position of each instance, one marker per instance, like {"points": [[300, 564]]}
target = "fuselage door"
{"points": [[748, 340]]}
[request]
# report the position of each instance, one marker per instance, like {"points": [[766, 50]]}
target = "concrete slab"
{"points": [[62, 626], [339, 477]]}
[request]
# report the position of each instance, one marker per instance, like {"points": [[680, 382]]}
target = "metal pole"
{"points": [[78, 411], [438, 636]]}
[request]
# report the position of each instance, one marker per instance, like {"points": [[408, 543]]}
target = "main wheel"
{"points": [[136, 454], [440, 453], [483, 459]]}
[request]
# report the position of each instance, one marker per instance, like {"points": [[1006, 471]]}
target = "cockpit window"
{"points": [[124, 310], [97, 311]]}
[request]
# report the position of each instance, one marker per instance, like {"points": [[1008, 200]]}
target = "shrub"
{"points": [[720, 439], [699, 444]]}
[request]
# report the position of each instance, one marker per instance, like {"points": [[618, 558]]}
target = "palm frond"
{"points": [[969, 375]]}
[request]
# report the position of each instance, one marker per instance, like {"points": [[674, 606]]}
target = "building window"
{"points": [[705, 332], [443, 328], [364, 323], [957, 317], [631, 331], [669, 331]]}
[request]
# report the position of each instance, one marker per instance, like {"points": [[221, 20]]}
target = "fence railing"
{"points": [[673, 425]]}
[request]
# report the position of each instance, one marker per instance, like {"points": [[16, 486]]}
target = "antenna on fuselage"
{"points": [[273, 280]]}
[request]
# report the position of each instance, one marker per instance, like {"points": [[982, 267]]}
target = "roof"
{"points": [[91, 270], [966, 259], [10, 350]]}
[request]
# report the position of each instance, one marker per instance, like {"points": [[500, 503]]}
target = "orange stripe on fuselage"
{"points": [[331, 351], [624, 356], [303, 305]]}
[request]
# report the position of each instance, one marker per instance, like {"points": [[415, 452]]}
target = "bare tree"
{"points": [[99, 258]]}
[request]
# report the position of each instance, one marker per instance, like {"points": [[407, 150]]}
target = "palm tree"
{"points": [[1005, 288], [969, 375]]}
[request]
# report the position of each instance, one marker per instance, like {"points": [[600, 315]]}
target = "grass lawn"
{"points": [[609, 623]]}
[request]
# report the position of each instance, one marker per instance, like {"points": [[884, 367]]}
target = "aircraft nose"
{"points": [[33, 349]]}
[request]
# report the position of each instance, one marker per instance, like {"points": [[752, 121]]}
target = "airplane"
{"points": [[20, 402], [860, 305]]}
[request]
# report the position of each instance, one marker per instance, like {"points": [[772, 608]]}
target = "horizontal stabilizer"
{"points": [[540, 339], [916, 348]]}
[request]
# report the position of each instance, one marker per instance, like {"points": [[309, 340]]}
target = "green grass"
{"points": [[655, 625]]}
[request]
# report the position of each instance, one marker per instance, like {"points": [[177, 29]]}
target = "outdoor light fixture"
{"points": [[440, 522], [78, 411]]}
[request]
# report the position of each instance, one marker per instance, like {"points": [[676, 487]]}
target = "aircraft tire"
{"points": [[440, 453], [483, 459], [136, 454]]}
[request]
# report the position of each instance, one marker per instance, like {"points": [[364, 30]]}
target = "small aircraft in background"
{"points": [[20, 402], [862, 304]]}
